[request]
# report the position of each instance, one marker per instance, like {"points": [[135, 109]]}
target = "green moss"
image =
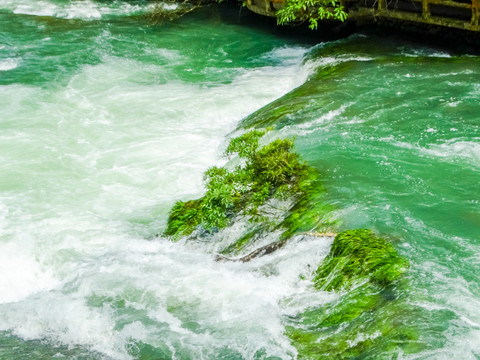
{"points": [[309, 211], [368, 318], [269, 171], [240, 244], [359, 255], [351, 307], [366, 321], [245, 145], [183, 218]]}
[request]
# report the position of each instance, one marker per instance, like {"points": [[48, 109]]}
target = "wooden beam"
{"points": [[449, 3], [432, 20], [425, 9], [475, 12]]}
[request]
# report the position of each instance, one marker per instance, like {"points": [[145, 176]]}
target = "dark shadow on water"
{"points": [[454, 41]]}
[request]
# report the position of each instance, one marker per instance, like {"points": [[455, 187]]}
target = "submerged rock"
{"points": [[274, 196], [363, 268], [267, 249], [270, 190], [264, 250], [356, 256]]}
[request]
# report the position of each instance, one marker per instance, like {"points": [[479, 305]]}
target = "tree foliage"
{"points": [[311, 10]]}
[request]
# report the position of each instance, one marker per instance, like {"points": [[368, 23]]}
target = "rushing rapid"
{"points": [[107, 119]]}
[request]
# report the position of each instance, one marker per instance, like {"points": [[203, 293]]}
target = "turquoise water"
{"points": [[107, 119], [394, 130]]}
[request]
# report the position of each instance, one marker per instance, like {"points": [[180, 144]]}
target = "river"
{"points": [[107, 119]]}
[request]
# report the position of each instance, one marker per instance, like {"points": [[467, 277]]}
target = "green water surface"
{"points": [[107, 119], [394, 130]]}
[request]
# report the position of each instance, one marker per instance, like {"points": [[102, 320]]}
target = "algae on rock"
{"points": [[361, 266], [266, 174], [364, 268], [358, 255], [363, 319]]}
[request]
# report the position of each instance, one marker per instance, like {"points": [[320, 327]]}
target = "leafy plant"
{"points": [[311, 10], [266, 171]]}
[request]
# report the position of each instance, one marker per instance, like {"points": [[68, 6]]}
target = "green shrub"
{"points": [[311, 10], [265, 171]]}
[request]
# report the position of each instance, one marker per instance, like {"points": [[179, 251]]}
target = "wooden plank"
{"points": [[448, 3], [475, 12], [425, 9], [432, 20], [451, 3]]}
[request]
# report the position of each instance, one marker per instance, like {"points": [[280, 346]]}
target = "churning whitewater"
{"points": [[94, 154]]}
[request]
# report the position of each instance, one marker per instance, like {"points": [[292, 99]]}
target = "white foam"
{"points": [[8, 64], [80, 9], [44, 316], [231, 302], [315, 125], [453, 150], [361, 337], [22, 275], [425, 53], [456, 150], [334, 60], [94, 166], [288, 55]]}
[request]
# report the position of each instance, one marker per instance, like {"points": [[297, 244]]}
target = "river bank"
{"points": [[448, 39]]}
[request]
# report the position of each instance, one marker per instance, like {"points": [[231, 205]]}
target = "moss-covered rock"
{"points": [[360, 324], [362, 267], [241, 243], [356, 256], [183, 217], [368, 314], [309, 211], [267, 172]]}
